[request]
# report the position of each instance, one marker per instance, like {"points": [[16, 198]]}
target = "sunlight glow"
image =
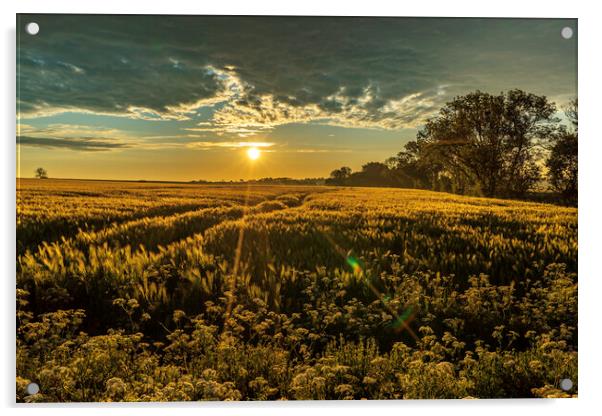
{"points": [[253, 153]]}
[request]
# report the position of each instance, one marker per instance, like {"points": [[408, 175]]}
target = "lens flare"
{"points": [[355, 265], [405, 317]]}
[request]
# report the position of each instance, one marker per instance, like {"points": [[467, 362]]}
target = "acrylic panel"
{"points": [[295, 208]]}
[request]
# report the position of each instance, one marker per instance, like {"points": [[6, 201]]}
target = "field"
{"points": [[153, 291]]}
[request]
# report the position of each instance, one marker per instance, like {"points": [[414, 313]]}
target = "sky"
{"points": [[184, 97]]}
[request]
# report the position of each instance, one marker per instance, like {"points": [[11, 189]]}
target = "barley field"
{"points": [[133, 291]]}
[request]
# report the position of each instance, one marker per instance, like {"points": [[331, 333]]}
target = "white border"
{"points": [[590, 291]]}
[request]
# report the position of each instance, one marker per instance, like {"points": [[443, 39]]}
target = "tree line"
{"points": [[504, 145]]}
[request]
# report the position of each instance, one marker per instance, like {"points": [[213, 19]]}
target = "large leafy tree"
{"points": [[562, 161], [490, 140]]}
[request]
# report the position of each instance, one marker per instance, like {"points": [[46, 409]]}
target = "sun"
{"points": [[253, 153]]}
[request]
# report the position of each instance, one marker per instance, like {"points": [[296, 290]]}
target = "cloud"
{"points": [[256, 73], [229, 145], [70, 130], [82, 143], [74, 137], [92, 138], [321, 151], [264, 113]]}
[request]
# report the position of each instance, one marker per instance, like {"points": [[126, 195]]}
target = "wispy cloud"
{"points": [[245, 117], [82, 143], [228, 145], [92, 138], [321, 151], [74, 137], [70, 130]]}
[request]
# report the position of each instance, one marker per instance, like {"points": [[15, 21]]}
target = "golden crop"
{"points": [[146, 291]]}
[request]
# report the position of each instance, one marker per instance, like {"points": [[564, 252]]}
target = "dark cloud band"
{"points": [[83, 144], [356, 71]]}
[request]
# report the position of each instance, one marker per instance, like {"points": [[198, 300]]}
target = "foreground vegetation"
{"points": [[140, 291]]}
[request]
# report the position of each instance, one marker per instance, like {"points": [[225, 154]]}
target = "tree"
{"points": [[41, 173], [562, 161], [414, 168], [375, 169], [490, 140], [338, 176], [571, 111], [372, 174]]}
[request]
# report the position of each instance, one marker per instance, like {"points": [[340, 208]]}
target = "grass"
{"points": [[146, 291]]}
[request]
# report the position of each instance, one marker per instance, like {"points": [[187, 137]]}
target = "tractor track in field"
{"points": [[140, 225]]}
